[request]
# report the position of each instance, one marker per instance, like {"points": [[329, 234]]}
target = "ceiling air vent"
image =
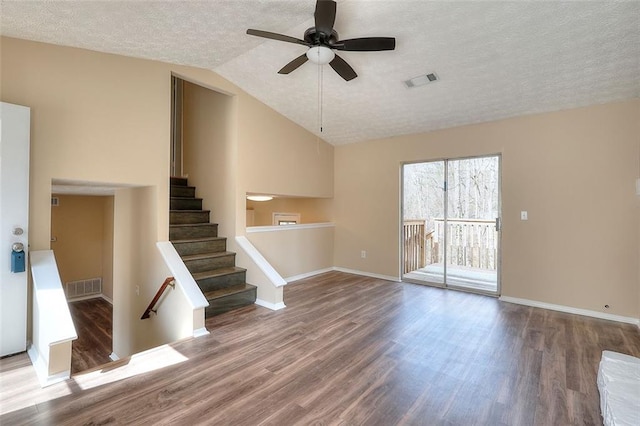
{"points": [[421, 80]]}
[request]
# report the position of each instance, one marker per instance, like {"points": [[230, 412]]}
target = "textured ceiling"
{"points": [[494, 59]]}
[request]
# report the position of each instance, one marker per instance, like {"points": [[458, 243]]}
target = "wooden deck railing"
{"points": [[470, 242], [414, 247], [419, 248]]}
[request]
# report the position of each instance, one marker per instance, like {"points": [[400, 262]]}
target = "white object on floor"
{"points": [[619, 386]]}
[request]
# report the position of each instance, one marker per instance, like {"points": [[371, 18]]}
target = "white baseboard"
{"points": [[114, 357], [367, 274], [41, 369], [308, 274], [345, 270], [269, 305], [91, 296], [571, 310], [200, 332]]}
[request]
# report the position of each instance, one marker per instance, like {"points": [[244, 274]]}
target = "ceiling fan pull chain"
{"points": [[321, 96]]}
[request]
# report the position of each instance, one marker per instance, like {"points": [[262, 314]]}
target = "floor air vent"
{"points": [[83, 288]]}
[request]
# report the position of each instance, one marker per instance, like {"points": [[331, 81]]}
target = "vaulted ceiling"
{"points": [[494, 59]]}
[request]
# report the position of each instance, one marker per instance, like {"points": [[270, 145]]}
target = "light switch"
{"points": [[523, 215]]}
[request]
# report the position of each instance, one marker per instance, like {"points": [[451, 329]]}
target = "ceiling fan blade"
{"points": [[293, 65], [366, 44], [276, 36], [325, 16], [342, 68]]}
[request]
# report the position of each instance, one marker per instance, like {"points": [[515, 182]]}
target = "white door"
{"points": [[14, 220]]}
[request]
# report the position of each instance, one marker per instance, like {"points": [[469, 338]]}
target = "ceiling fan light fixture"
{"points": [[320, 55]]}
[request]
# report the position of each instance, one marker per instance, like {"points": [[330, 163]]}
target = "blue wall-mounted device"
{"points": [[17, 258]]}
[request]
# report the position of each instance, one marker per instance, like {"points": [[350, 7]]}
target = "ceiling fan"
{"points": [[322, 40]]}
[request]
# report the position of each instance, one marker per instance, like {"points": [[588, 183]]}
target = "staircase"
{"points": [[204, 253]]}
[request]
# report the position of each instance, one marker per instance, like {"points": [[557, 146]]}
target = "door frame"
{"points": [[444, 284]]}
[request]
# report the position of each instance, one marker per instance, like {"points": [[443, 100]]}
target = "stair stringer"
{"points": [[261, 274]]}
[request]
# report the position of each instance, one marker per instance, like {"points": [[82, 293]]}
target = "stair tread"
{"points": [[234, 289], [173, 197], [219, 272], [178, 181], [198, 240], [175, 225], [207, 255]]}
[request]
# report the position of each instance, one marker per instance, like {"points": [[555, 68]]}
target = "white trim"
{"points": [[91, 296], [308, 274], [54, 323], [254, 229], [269, 305], [183, 278], [114, 357], [367, 274], [570, 310], [40, 365], [200, 332], [272, 275]]}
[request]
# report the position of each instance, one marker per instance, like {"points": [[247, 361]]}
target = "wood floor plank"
{"points": [[92, 319], [347, 350]]}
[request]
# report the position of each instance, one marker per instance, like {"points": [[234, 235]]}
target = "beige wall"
{"points": [[573, 171], [95, 117], [209, 152], [138, 271], [106, 118], [278, 157], [312, 210], [294, 252], [83, 243]]}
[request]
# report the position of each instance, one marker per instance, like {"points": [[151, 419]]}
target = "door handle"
{"points": [[497, 224]]}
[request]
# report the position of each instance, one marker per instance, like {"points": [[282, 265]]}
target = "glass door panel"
{"points": [[423, 212], [472, 221], [451, 212]]}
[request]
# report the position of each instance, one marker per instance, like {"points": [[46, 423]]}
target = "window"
{"points": [[286, 218]]}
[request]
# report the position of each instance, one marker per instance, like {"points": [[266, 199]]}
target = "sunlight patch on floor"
{"points": [[20, 388], [141, 363]]}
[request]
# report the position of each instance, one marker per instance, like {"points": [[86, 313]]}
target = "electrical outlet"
{"points": [[363, 254], [524, 215], [137, 290]]}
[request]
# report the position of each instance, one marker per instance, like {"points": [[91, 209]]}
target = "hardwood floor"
{"points": [[93, 321], [350, 350]]}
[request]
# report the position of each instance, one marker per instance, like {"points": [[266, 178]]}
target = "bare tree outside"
{"points": [[472, 187]]}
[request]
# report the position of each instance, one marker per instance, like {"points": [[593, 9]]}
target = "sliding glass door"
{"points": [[451, 223]]}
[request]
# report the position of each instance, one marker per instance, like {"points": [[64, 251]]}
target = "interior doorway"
{"points": [[451, 223], [82, 242]]}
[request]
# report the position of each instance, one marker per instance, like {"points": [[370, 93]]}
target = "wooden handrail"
{"points": [[168, 282]]}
